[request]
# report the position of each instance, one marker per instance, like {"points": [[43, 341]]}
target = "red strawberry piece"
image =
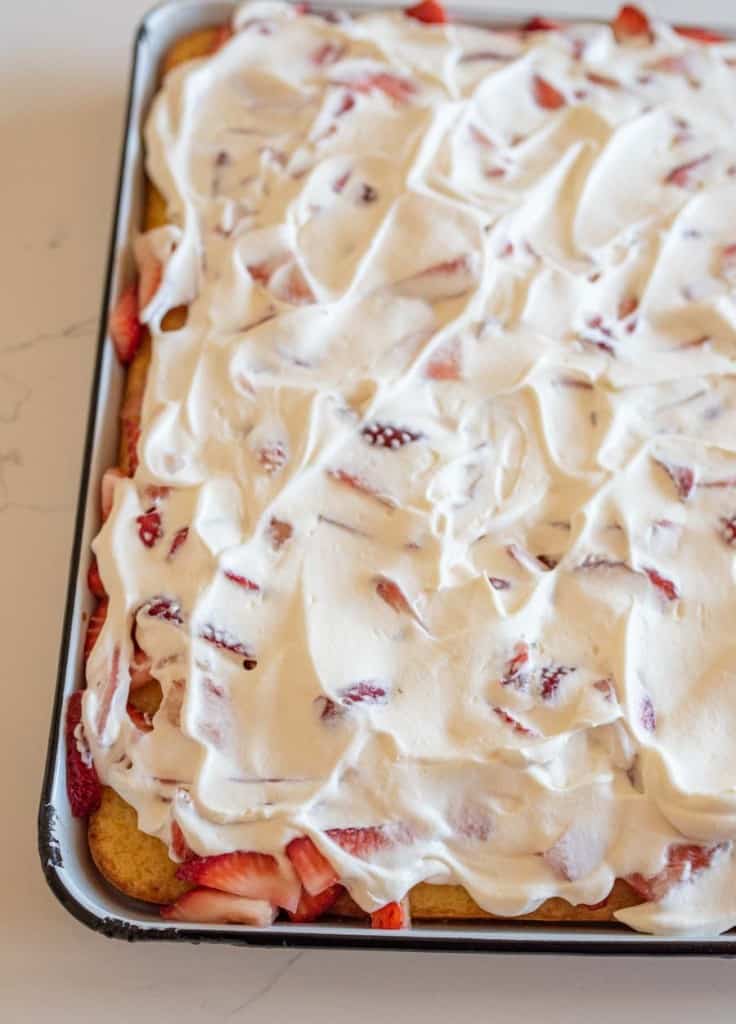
{"points": [[339, 184], [179, 538], [346, 104], [445, 364], [700, 35], [367, 692], [149, 526], [514, 723], [603, 80], [311, 908], [179, 846], [390, 592], [683, 175], [256, 875], [665, 586], [327, 53], [273, 456], [539, 24], [207, 906], [513, 674], [681, 476], [140, 719], [605, 687], [447, 280], [165, 608], [223, 35], [383, 435], [82, 784], [728, 530], [631, 23], [289, 284], [573, 856], [393, 916], [647, 714], [94, 626], [359, 484], [242, 581], [550, 679], [107, 490], [140, 670], [364, 842], [94, 580], [394, 86], [225, 641], [684, 861], [314, 870], [429, 11], [498, 583], [125, 327], [279, 532], [628, 305], [545, 94], [107, 693]]}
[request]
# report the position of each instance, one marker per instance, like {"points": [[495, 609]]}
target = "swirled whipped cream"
{"points": [[434, 526]]}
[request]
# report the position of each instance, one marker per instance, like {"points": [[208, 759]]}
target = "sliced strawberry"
{"points": [[179, 846], [242, 581], [359, 484], [166, 608], [575, 854], [728, 530], [605, 687], [106, 694], [700, 35], [223, 35], [603, 80], [390, 592], [665, 586], [514, 723], [513, 673], [683, 862], [327, 53], [256, 875], [94, 626], [273, 456], [364, 842], [94, 580], [446, 363], [683, 176], [125, 327], [429, 11], [140, 719], [179, 538], [631, 23], [447, 280], [393, 916], [82, 784], [367, 692], [149, 526], [546, 95], [207, 906], [539, 24], [394, 86], [279, 532], [383, 435], [226, 641], [550, 679], [311, 908], [314, 870], [107, 490], [498, 583], [681, 476]]}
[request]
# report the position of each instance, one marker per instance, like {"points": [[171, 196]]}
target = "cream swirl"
{"points": [[433, 529]]}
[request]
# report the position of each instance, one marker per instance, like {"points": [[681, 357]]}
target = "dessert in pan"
{"points": [[416, 574]]}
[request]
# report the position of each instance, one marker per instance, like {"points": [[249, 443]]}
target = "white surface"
{"points": [[63, 74]]}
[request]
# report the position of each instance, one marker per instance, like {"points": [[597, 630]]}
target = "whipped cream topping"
{"points": [[434, 526]]}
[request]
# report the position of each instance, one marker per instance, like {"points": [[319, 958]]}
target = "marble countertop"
{"points": [[63, 77]]}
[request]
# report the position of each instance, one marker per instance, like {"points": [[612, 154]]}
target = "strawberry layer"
{"points": [[434, 523]]}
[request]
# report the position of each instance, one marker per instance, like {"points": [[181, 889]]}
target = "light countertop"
{"points": [[63, 78]]}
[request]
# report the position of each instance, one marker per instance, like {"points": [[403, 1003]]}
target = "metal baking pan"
{"points": [[62, 840]]}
